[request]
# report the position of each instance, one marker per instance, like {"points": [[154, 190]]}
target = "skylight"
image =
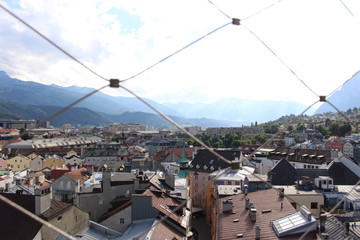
{"points": [[294, 223]]}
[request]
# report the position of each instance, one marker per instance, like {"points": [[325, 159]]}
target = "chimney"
{"points": [[347, 227], [247, 200], [257, 232], [170, 179], [42, 199], [322, 222], [281, 192], [136, 184], [227, 206], [253, 214]]}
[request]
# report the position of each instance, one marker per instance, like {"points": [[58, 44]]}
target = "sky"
{"points": [[276, 44]]}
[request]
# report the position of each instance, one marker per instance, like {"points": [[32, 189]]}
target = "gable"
{"points": [[283, 173]]}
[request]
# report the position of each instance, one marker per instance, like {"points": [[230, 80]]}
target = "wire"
{"points": [[249, 157], [252, 15], [219, 9], [258, 38], [346, 7], [176, 125], [256, 13], [167, 118], [342, 85], [171, 55], [51, 42], [342, 114], [60, 111], [331, 211], [36, 218]]}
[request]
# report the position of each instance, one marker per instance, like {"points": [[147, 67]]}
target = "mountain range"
{"points": [[30, 100], [346, 97]]}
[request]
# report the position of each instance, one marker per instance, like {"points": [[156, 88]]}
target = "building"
{"points": [[59, 146], [203, 164], [53, 163], [246, 131], [259, 215], [18, 163]]}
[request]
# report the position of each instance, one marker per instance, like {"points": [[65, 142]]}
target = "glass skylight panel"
{"points": [[290, 224]]}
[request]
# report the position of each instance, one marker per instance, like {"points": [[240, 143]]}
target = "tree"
{"points": [[290, 128], [25, 135], [344, 129], [300, 127], [334, 129]]}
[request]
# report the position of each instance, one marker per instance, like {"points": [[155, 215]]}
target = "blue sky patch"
{"points": [[129, 22]]}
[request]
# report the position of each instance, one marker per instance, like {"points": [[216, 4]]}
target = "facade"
{"points": [[115, 188], [18, 163], [203, 164], [311, 199], [334, 143], [65, 187], [66, 217], [118, 219], [348, 149]]}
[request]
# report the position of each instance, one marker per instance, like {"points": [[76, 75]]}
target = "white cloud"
{"points": [[318, 40]]}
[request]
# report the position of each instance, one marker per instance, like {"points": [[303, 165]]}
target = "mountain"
{"points": [[32, 93], [346, 97], [75, 116], [242, 110], [231, 111], [161, 123], [86, 117]]}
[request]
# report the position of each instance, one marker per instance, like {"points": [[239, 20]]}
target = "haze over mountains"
{"points": [[31, 100]]}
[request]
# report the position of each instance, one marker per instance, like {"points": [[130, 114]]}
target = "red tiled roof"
{"points": [[262, 200], [56, 173], [79, 174]]}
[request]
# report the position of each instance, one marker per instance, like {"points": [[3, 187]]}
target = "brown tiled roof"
{"points": [[262, 200], [165, 231], [116, 210], [55, 209], [15, 224], [162, 202], [79, 174]]}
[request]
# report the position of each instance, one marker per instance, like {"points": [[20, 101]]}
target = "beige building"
{"points": [[312, 200], [18, 163], [53, 163]]}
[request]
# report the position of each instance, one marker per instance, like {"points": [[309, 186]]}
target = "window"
{"points": [[122, 221], [314, 205]]}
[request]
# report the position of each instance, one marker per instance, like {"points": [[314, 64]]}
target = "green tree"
{"points": [[334, 129], [344, 129]]}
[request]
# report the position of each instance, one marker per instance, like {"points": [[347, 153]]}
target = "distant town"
{"points": [[295, 177]]}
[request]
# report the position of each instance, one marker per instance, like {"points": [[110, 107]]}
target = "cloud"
{"points": [[317, 40]]}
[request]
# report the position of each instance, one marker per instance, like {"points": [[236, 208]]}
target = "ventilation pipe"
{"points": [[257, 232]]}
